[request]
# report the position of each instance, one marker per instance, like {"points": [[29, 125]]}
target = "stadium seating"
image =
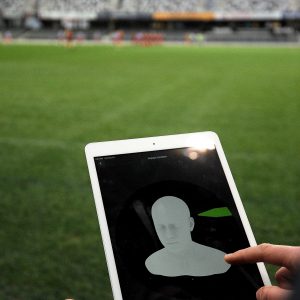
{"points": [[75, 7], [254, 6], [129, 6], [151, 6], [13, 8], [16, 8]]}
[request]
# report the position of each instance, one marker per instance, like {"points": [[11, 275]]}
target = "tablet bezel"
{"points": [[194, 140]]}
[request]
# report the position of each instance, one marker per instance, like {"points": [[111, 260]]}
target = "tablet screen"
{"points": [[171, 218]]}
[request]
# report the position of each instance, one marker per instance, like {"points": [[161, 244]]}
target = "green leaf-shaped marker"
{"points": [[216, 213]]}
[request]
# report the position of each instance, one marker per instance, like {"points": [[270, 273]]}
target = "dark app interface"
{"points": [[172, 218]]}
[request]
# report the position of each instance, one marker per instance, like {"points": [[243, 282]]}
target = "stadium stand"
{"points": [[91, 8], [82, 9], [254, 6], [247, 20], [152, 6], [129, 6], [13, 9]]}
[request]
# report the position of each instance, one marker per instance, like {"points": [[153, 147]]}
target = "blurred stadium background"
{"points": [[231, 66], [174, 20]]}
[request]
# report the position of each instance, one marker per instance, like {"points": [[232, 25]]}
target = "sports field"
{"points": [[54, 100]]}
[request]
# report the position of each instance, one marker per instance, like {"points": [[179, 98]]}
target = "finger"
{"points": [[272, 293], [274, 254], [284, 278]]}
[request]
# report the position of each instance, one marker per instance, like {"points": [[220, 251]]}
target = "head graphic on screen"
{"points": [[180, 255]]}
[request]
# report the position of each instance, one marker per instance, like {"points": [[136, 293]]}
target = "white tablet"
{"points": [[169, 210]]}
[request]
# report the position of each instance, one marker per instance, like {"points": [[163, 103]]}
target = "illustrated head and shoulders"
{"points": [[181, 256]]}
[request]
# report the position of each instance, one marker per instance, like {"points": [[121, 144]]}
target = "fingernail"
{"points": [[227, 256], [259, 293]]}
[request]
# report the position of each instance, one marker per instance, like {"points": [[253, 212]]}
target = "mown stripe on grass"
{"points": [[41, 143]]}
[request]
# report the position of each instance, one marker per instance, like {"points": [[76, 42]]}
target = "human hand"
{"points": [[287, 257]]}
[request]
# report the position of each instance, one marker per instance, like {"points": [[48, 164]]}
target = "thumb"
{"points": [[272, 293]]}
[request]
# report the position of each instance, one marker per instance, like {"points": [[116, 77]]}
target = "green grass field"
{"points": [[54, 100]]}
